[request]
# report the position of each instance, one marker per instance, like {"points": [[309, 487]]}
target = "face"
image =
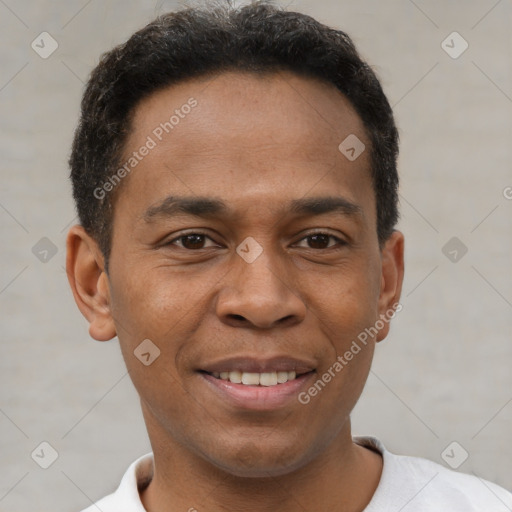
{"points": [[245, 241]]}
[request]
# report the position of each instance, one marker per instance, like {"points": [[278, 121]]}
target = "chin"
{"points": [[250, 461]]}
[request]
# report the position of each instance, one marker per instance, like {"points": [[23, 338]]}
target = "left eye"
{"points": [[321, 240], [192, 241]]}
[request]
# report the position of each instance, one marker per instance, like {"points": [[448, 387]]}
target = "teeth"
{"points": [[235, 377], [251, 379], [282, 377], [256, 379], [268, 379]]}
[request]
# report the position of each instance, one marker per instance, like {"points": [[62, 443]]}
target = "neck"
{"points": [[342, 477]]}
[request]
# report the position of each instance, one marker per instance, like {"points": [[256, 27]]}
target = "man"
{"points": [[235, 177]]}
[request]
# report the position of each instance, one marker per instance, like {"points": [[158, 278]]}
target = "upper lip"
{"points": [[255, 365]]}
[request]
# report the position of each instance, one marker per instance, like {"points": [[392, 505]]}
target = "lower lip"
{"points": [[258, 398]]}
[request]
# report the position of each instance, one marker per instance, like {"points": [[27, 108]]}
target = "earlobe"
{"points": [[392, 275], [89, 283]]}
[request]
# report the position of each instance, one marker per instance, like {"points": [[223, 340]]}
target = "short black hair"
{"points": [[202, 40]]}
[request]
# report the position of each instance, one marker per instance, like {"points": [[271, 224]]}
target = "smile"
{"points": [[256, 379], [257, 391]]}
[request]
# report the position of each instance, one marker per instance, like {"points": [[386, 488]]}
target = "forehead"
{"points": [[245, 136], [288, 106]]}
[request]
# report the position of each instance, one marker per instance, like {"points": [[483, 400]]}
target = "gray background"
{"points": [[442, 375]]}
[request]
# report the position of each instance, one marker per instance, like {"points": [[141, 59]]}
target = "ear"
{"points": [[392, 259], [89, 283]]}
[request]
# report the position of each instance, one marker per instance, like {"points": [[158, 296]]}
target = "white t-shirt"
{"points": [[407, 484]]}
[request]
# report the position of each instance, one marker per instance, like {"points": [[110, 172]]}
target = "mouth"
{"points": [[266, 379], [252, 384]]}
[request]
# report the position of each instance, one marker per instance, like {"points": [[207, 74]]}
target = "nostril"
{"points": [[237, 317]]}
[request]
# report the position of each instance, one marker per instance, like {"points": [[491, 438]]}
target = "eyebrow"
{"points": [[209, 206]]}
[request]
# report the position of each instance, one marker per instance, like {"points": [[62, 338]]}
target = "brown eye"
{"points": [[319, 241], [192, 241], [322, 241]]}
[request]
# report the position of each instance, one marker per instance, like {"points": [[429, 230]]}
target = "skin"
{"points": [[256, 142]]}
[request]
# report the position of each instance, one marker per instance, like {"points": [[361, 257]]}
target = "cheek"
{"points": [[345, 303], [148, 305], [145, 312], [153, 322], [165, 306], [346, 310]]}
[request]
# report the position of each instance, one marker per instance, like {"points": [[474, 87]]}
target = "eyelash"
{"points": [[339, 241]]}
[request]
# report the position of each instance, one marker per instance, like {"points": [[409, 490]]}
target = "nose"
{"points": [[260, 294]]}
